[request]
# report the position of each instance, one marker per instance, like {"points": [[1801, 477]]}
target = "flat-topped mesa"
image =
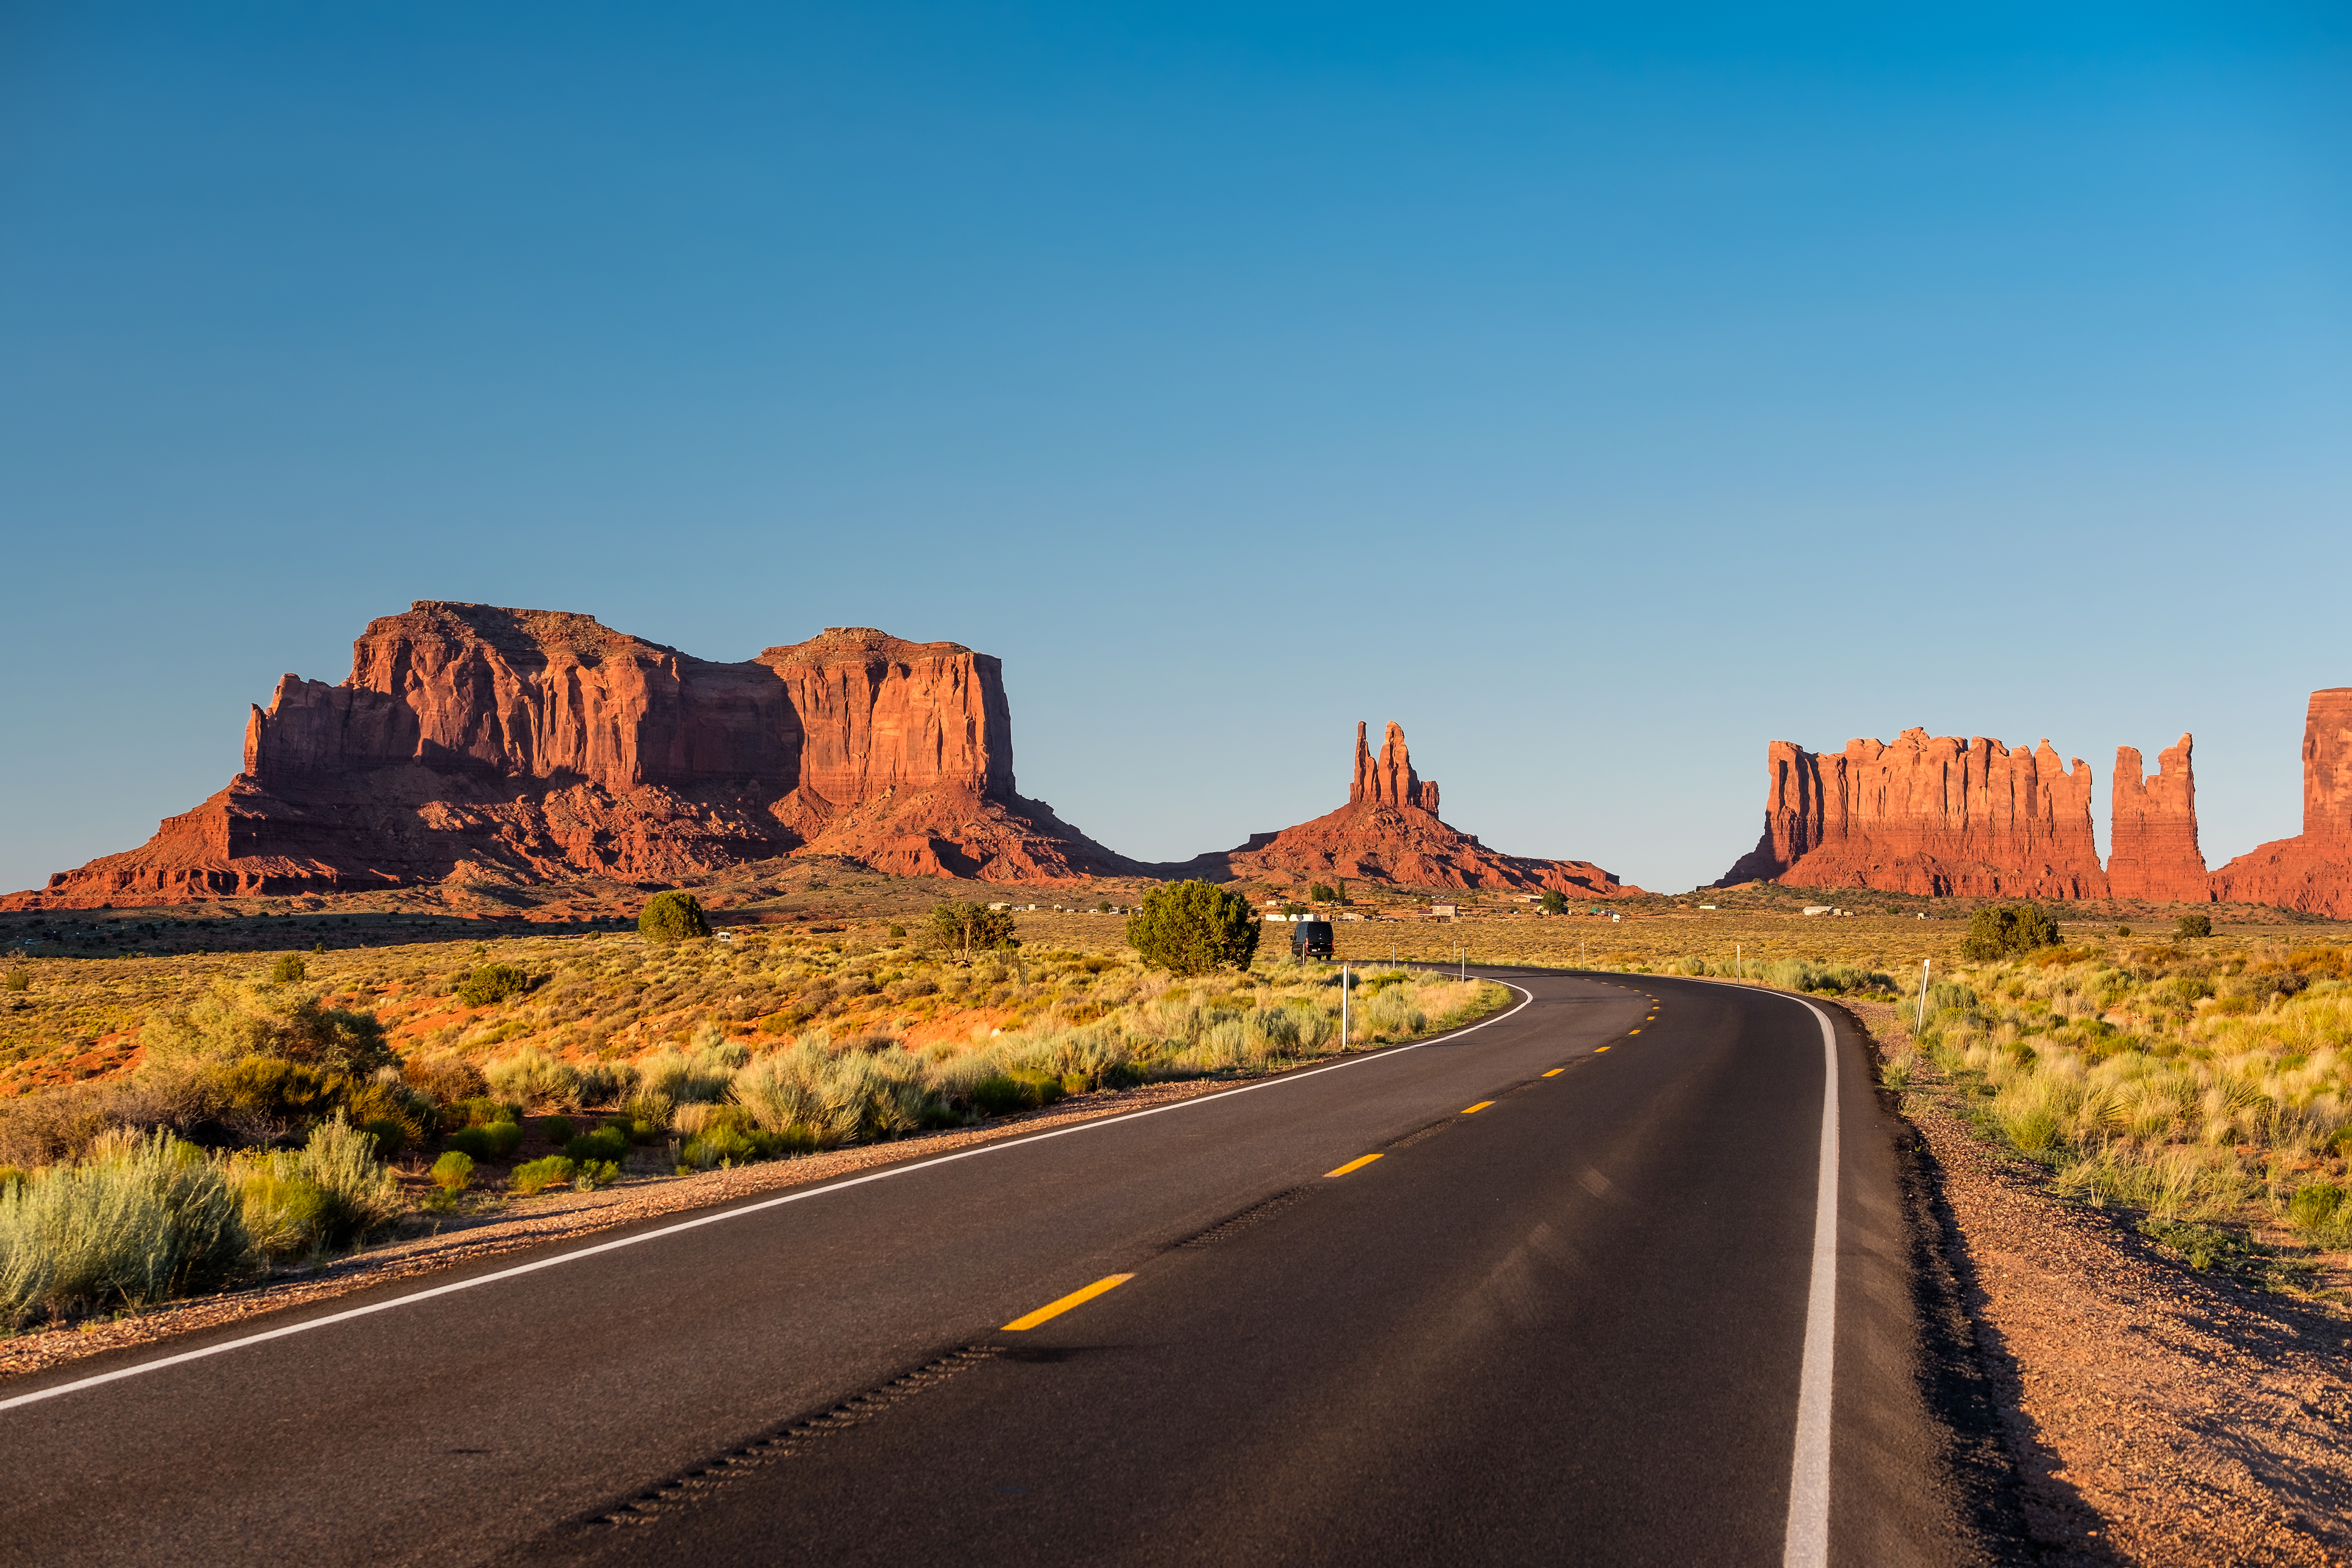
{"points": [[2312, 872], [2152, 849], [539, 743], [1390, 833], [1934, 815]]}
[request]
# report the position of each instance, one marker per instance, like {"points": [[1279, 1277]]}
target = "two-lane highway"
{"points": [[1553, 1289]]}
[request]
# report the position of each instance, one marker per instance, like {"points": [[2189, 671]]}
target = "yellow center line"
{"points": [[1633, 1031], [1480, 1106], [1555, 1072], [1598, 1049], [1074, 1298], [1351, 1165]]}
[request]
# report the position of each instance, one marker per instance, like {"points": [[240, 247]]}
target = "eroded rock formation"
{"points": [[2312, 872], [470, 739], [1390, 833], [2152, 849], [1935, 814]]}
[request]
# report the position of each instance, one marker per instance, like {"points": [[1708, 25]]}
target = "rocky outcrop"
{"points": [[534, 744], [1934, 815], [2312, 872], [2152, 846], [1389, 833]]}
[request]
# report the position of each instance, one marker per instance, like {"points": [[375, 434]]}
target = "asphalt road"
{"points": [[1575, 1311]]}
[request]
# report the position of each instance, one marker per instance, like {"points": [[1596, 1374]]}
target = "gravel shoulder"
{"points": [[2152, 1415]]}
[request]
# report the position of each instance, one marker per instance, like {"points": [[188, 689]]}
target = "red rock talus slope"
{"points": [[2152, 852], [1389, 832], [1934, 815], [537, 744], [2312, 872]]}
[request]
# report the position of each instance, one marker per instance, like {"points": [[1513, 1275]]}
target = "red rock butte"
{"points": [[2312, 872], [541, 744], [1946, 816], [1934, 815], [1390, 833]]}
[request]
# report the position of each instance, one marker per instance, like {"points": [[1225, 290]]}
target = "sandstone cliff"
{"points": [[540, 744], [2152, 849], [1934, 815], [2312, 872], [1389, 833]]}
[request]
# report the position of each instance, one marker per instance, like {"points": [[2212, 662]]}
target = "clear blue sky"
{"points": [[1600, 393]]}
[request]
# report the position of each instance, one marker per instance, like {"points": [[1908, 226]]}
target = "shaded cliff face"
{"points": [[2312, 872], [1931, 814], [1390, 833], [2152, 851], [543, 744]]}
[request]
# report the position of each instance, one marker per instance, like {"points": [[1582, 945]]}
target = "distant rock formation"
{"points": [[2152, 845], [1389, 833], [534, 744], [2312, 872], [1934, 815]]}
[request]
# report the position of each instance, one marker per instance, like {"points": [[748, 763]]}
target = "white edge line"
{"points": [[1806, 1543], [739, 1211]]}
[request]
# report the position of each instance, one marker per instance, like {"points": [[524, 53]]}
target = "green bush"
{"points": [[234, 1020], [391, 1137], [1553, 902], [723, 1145], [453, 1172], [556, 1129], [1021, 1088], [506, 1137], [2323, 1212], [604, 1143], [673, 916], [474, 1142], [536, 1176], [2191, 925], [2004, 930], [288, 970], [492, 982], [360, 1193], [1194, 927], [1317, 893], [594, 1173], [957, 926], [20, 979]]}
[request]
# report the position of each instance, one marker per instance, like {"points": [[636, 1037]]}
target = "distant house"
{"points": [[1443, 912], [1818, 910]]}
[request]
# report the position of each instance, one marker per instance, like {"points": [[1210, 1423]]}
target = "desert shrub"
{"points": [[505, 1137], [484, 1111], [531, 1077], [723, 1145], [1395, 1012], [492, 982], [594, 1174], [1553, 902], [604, 1143], [288, 970], [448, 1079], [283, 1209], [648, 1116], [143, 1218], [238, 1019], [2323, 1212], [688, 1077], [556, 1129], [361, 1192], [1194, 928], [20, 979], [673, 916], [605, 1083], [2193, 924], [536, 1176], [2005, 931], [957, 926], [453, 1172]]}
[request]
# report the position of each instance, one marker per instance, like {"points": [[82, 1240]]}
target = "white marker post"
{"points": [[1921, 1026], [1343, 1006]]}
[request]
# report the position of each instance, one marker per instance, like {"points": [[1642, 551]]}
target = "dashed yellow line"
{"points": [[1555, 1072], [1598, 1049], [1480, 1106], [1074, 1298], [1351, 1165]]}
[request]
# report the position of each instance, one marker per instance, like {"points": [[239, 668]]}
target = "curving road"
{"points": [[1613, 1290]]}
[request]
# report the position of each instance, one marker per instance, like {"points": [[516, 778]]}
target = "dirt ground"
{"points": [[2154, 1415]]}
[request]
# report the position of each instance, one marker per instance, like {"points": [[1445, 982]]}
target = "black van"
{"points": [[1310, 939]]}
